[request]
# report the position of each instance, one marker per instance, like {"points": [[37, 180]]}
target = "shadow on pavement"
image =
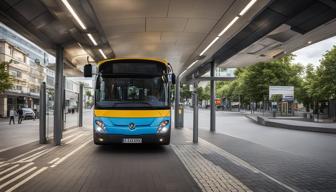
{"points": [[131, 148]]}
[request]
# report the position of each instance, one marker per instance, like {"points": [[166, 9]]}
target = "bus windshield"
{"points": [[126, 92]]}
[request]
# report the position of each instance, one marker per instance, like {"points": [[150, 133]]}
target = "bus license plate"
{"points": [[132, 140]]}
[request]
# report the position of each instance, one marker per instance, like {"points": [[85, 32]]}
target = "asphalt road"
{"points": [[241, 156], [308, 144]]}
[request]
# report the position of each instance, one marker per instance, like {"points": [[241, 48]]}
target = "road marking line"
{"points": [[26, 179], [16, 171], [39, 155], [74, 139], [8, 169], [17, 177], [69, 136], [31, 156], [71, 130], [19, 156], [71, 153], [4, 164], [53, 161]]}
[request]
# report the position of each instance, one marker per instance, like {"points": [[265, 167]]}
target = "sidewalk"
{"points": [[293, 123]]}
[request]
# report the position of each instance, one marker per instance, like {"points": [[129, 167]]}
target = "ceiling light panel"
{"points": [[74, 14]]}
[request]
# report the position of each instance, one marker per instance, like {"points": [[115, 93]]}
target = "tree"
{"points": [[253, 82], [185, 92], [309, 90], [5, 80], [88, 93], [326, 75]]}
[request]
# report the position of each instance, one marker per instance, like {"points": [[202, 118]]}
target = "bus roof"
{"points": [[148, 59]]}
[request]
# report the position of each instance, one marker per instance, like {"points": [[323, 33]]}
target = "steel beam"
{"points": [[212, 98], [195, 119], [59, 91], [178, 119], [80, 105], [43, 113]]}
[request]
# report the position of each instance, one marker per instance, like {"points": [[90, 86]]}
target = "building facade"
{"points": [[26, 77], [28, 67]]}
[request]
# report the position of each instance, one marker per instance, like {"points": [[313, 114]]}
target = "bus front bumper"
{"points": [[163, 139]]}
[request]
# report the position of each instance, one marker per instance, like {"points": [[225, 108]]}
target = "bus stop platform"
{"points": [[216, 163], [293, 123]]}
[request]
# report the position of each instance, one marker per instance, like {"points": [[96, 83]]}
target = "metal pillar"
{"points": [[80, 105], [63, 106], [59, 89], [43, 113], [178, 118], [212, 99], [195, 119]]}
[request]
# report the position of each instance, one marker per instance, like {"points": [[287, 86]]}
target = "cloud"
{"points": [[314, 53]]}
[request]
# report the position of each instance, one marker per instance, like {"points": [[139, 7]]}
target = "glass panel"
{"points": [[50, 112], [71, 104], [131, 92]]}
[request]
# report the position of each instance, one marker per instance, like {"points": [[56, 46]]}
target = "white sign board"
{"points": [[287, 92]]}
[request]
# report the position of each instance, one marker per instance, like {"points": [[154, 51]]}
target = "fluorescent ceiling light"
{"points": [[74, 14], [102, 53], [92, 39], [228, 26], [212, 42], [247, 7]]}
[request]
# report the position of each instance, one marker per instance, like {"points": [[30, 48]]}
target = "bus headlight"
{"points": [[100, 127], [163, 127]]}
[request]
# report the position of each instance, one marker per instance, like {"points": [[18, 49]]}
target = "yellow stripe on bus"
{"points": [[132, 113]]}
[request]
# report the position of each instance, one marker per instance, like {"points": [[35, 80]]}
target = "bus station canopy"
{"points": [[187, 33]]}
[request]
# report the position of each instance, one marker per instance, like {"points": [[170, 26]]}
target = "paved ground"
{"points": [[307, 144], [27, 132], [240, 156]]}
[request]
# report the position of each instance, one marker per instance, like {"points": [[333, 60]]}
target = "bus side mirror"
{"points": [[88, 70], [173, 79]]}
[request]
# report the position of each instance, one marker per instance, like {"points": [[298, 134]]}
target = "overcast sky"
{"points": [[313, 53]]}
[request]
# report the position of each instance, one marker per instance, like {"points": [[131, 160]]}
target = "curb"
{"points": [[264, 122]]}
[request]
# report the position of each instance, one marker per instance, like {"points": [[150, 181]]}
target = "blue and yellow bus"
{"points": [[132, 101]]}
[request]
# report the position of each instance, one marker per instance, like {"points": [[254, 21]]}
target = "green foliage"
{"points": [[326, 75], [252, 82], [185, 92], [5, 80], [88, 93]]}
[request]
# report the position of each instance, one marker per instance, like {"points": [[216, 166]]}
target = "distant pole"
{"points": [[239, 103], [42, 115], [263, 105], [80, 105], [212, 98], [195, 119], [178, 118]]}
